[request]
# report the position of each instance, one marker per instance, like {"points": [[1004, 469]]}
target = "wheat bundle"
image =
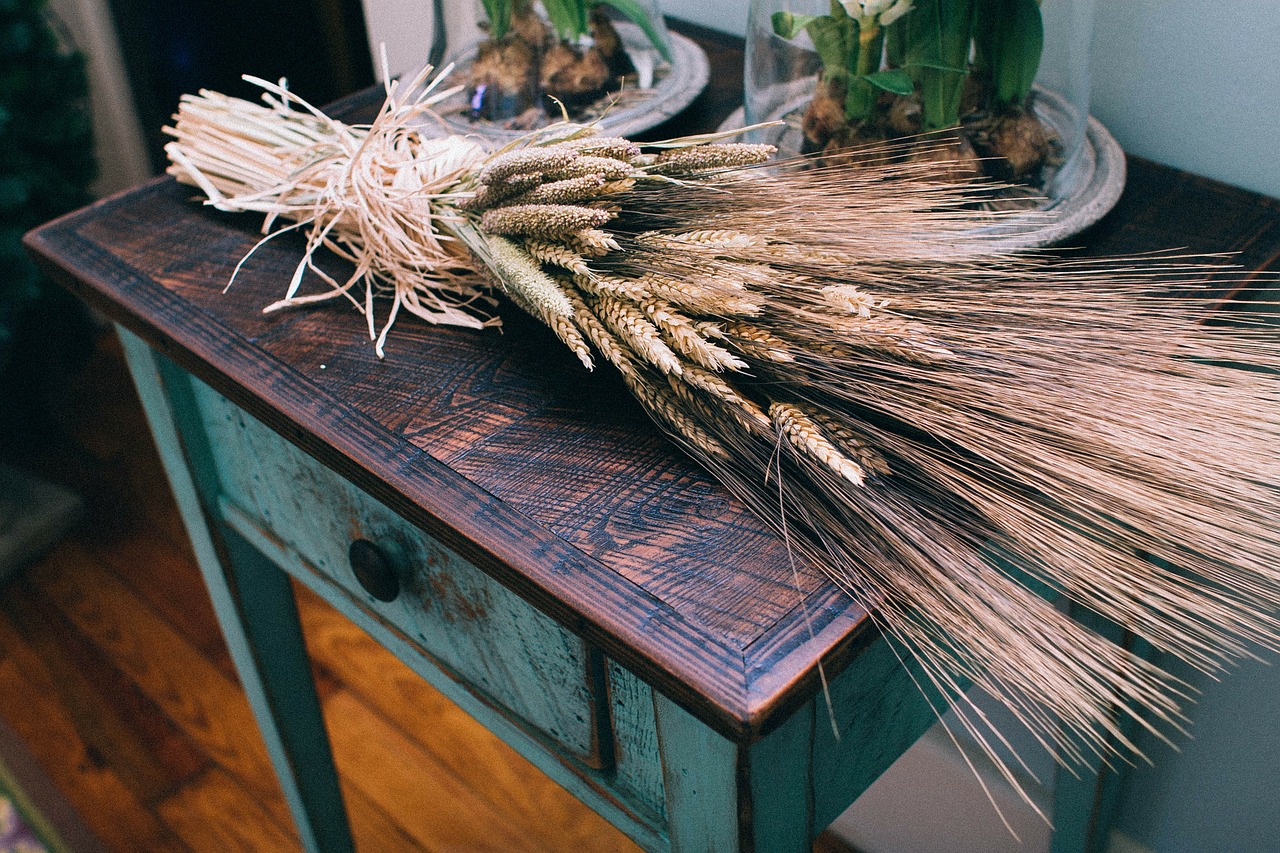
{"points": [[949, 431]]}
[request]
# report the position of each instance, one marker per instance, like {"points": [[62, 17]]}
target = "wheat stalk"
{"points": [[942, 427]]}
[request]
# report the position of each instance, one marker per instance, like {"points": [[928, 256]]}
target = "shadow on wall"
{"points": [[1221, 789]]}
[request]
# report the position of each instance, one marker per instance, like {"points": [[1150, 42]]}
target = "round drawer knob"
{"points": [[373, 570]]}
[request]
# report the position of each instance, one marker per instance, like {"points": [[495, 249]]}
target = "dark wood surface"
{"points": [[546, 477]]}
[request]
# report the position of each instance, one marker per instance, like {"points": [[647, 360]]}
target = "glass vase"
{"points": [[520, 68], [995, 90]]}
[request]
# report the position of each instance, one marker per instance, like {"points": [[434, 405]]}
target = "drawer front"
{"points": [[637, 774], [473, 628]]}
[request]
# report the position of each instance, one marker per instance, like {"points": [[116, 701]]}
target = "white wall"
{"points": [[1193, 84]]}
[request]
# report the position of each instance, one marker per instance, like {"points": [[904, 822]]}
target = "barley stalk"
{"points": [[707, 240], [592, 243], [758, 342], [680, 333], [557, 255]]}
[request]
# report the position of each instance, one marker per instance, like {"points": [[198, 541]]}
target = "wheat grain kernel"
{"points": [[744, 410], [659, 401], [849, 298], [557, 255], [592, 243], [680, 333], [759, 343], [805, 435], [524, 161], [630, 324], [543, 221]]}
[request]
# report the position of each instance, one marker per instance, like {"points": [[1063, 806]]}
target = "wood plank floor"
{"points": [[113, 672]]}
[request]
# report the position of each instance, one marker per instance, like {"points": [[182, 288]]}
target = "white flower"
{"points": [[886, 11]]}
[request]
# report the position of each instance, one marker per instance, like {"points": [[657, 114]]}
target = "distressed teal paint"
{"points": [[782, 816], [671, 783], [637, 763], [699, 771], [590, 786], [275, 674], [488, 637]]}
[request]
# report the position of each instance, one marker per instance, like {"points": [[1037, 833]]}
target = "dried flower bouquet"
{"points": [[949, 432]]}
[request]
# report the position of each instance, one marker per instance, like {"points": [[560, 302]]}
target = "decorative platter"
{"points": [[1077, 193], [624, 113]]}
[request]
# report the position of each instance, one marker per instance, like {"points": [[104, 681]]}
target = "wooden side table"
{"points": [[517, 532]]}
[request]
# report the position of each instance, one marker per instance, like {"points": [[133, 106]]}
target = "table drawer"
{"points": [[471, 627]]}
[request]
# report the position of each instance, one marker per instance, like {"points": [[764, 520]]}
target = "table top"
{"points": [[549, 478]]}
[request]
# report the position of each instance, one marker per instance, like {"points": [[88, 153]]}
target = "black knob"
{"points": [[374, 571]]}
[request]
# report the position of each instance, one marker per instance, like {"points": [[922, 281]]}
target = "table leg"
{"points": [[724, 797], [255, 609], [1085, 806], [699, 775]]}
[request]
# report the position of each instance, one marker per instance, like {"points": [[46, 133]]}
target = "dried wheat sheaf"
{"points": [[948, 431]]}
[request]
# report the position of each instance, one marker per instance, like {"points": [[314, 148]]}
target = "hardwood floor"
{"points": [[113, 672]]}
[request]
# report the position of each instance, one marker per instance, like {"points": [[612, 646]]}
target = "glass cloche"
{"points": [[524, 64], [995, 90]]}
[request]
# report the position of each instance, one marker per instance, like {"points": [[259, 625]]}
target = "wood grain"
{"points": [[104, 798], [211, 815], [427, 801], [602, 526], [130, 733], [503, 779], [200, 699]]}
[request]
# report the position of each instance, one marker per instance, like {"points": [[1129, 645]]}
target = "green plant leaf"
{"points": [[895, 80], [499, 14], [938, 36], [833, 40], [936, 66], [639, 16], [1009, 37], [895, 42], [568, 17], [788, 25]]}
